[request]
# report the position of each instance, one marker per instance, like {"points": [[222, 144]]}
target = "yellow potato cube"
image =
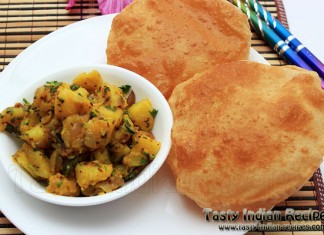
{"points": [[33, 161], [113, 115], [145, 144], [60, 185], [44, 99], [90, 81], [74, 131], [37, 136], [68, 103], [12, 116], [98, 133], [117, 98], [135, 159], [102, 155], [142, 114], [90, 173]]}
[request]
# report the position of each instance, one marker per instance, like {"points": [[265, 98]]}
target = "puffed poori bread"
{"points": [[246, 135], [169, 41]]}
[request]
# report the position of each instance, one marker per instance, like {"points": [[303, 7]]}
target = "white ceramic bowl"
{"points": [[117, 76]]}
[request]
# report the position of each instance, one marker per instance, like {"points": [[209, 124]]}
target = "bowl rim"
{"points": [[148, 172]]}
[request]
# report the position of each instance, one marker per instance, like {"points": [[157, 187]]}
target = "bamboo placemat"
{"points": [[22, 22]]}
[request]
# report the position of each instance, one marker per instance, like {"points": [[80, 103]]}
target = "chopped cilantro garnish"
{"points": [[68, 165], [26, 101], [106, 89], [128, 127], [110, 108], [125, 88], [61, 100], [10, 128], [74, 87], [59, 139], [126, 112], [133, 144], [145, 154], [131, 175], [154, 112], [93, 114], [59, 184], [53, 86], [143, 161]]}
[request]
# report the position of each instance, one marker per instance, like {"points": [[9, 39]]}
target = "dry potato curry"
{"points": [[83, 139]]}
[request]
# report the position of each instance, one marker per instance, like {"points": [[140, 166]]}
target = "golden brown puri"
{"points": [[169, 41], [246, 135]]}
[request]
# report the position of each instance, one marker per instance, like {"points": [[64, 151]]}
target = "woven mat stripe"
{"points": [[282, 17]]}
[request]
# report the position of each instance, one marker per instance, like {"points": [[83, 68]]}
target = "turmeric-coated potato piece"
{"points": [[10, 118], [90, 81], [146, 144], [33, 161], [74, 131], [142, 114], [44, 98], [37, 136], [118, 151], [60, 185], [98, 133], [102, 155], [90, 173], [30, 119], [113, 115], [117, 98], [68, 103], [135, 159]]}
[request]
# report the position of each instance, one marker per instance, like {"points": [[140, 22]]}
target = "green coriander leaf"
{"points": [[154, 112], [131, 175], [106, 89], [143, 161], [93, 114], [26, 101], [146, 154], [125, 88], [110, 108], [74, 87], [59, 139], [59, 184], [10, 128], [129, 129], [53, 86]]}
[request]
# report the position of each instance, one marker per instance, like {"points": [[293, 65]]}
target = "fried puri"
{"points": [[169, 41], [246, 135]]}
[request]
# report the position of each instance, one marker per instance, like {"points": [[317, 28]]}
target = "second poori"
{"points": [[169, 41]]}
